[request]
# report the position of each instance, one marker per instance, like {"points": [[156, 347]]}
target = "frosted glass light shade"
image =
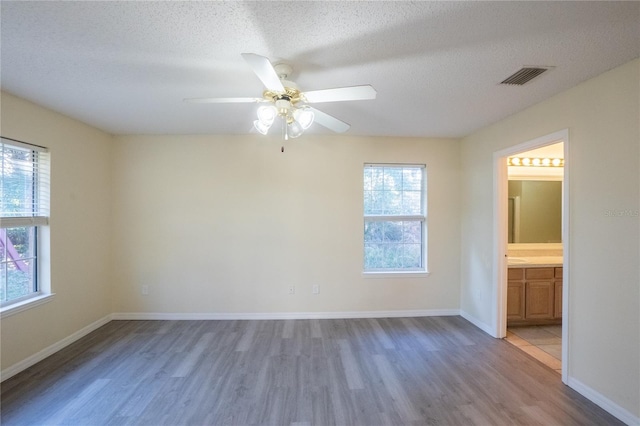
{"points": [[262, 127], [304, 117], [266, 114], [295, 129]]}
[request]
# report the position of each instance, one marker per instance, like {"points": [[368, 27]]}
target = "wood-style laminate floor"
{"points": [[400, 371]]}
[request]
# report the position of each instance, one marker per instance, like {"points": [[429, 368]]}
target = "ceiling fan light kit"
{"points": [[288, 103]]}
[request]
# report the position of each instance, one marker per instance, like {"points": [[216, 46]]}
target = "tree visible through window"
{"points": [[394, 217], [24, 204]]}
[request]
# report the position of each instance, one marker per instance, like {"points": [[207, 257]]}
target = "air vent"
{"points": [[524, 75]]}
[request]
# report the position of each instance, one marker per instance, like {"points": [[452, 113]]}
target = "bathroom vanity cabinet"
{"points": [[534, 295]]}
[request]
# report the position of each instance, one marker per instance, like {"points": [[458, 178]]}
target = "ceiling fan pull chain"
{"points": [[285, 134]]}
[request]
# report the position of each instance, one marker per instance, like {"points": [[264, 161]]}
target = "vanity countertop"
{"points": [[534, 261]]}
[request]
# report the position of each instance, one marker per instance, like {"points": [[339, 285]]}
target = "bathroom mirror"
{"points": [[535, 211]]}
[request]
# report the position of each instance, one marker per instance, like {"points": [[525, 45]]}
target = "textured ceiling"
{"points": [[125, 67]]}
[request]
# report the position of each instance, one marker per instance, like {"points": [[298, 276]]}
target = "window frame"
{"points": [[422, 218], [36, 217]]}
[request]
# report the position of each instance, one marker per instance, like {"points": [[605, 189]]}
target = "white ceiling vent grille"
{"points": [[524, 75]]}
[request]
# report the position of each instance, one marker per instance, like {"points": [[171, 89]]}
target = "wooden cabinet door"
{"points": [[557, 300], [515, 300], [539, 299]]}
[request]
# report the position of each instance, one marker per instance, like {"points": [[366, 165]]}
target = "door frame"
{"points": [[500, 220]]}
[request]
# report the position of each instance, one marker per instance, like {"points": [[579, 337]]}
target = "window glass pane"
{"points": [[393, 245], [393, 190], [392, 232], [412, 256], [392, 202], [374, 202], [373, 255], [411, 202], [377, 178], [3, 282], [373, 231], [2, 246], [412, 232], [22, 241], [17, 185], [393, 256], [392, 178], [20, 279], [368, 186], [412, 178], [386, 256], [18, 262]]}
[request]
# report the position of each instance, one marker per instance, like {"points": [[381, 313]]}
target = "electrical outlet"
{"points": [[292, 289], [315, 289], [145, 289]]}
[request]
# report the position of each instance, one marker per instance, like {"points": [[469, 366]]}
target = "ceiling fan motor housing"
{"points": [[291, 94], [283, 70]]}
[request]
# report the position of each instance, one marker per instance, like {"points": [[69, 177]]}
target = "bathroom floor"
{"points": [[543, 342]]}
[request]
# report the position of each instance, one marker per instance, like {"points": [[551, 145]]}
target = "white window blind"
{"points": [[24, 184]]}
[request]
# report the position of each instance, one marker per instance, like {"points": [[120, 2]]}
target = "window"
{"points": [[394, 218], [24, 211]]}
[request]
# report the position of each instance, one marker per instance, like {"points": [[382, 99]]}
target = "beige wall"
{"points": [[603, 117], [80, 228], [215, 224]]}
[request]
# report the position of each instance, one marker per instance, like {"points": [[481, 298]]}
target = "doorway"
{"points": [[533, 160]]}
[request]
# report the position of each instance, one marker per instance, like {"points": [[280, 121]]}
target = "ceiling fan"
{"points": [[284, 101]]}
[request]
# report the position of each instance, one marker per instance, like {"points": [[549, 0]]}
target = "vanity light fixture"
{"points": [[535, 162]]}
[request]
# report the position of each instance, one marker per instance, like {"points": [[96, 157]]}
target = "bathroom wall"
{"points": [[540, 210]]}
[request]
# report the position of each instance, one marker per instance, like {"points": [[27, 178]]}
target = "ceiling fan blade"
{"points": [[329, 121], [353, 93], [264, 70], [222, 100]]}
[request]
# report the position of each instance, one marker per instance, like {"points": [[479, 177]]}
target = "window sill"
{"points": [[396, 274], [24, 305]]}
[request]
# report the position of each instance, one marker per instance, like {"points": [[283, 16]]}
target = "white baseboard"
{"points": [[604, 402], [281, 315], [50, 350], [481, 325]]}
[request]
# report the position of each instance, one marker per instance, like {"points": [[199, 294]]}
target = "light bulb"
{"points": [[304, 117], [526, 161], [556, 162], [515, 161], [266, 114], [546, 162], [536, 161], [262, 127]]}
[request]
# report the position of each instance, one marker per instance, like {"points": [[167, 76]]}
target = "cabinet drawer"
{"points": [[515, 273], [539, 273], [558, 272]]}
